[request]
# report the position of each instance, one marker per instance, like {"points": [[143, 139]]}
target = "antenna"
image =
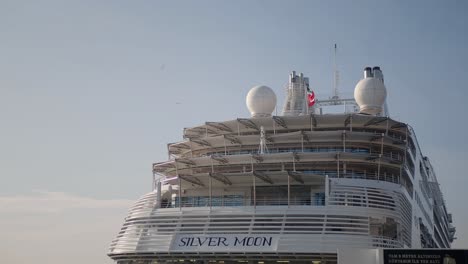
{"points": [[335, 75], [263, 146]]}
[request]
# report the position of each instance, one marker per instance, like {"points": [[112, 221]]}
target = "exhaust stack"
{"points": [[368, 72], [378, 73]]}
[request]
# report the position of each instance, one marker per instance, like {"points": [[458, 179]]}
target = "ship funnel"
{"points": [[378, 73], [368, 72], [370, 93], [296, 103]]}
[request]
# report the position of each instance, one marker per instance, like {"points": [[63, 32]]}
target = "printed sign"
{"points": [[224, 243], [425, 256]]}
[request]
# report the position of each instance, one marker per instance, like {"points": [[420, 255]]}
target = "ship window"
{"points": [[203, 201], [278, 195], [319, 198], [383, 226]]}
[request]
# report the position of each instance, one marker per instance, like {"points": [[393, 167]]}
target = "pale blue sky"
{"points": [[91, 92]]}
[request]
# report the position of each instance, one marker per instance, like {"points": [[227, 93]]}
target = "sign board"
{"points": [[425, 256], [224, 243]]}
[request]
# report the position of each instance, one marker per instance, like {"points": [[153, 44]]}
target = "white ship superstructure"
{"points": [[291, 188]]}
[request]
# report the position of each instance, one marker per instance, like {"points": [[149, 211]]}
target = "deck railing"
{"points": [[202, 201]]}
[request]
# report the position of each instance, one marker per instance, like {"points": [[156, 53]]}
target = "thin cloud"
{"points": [[50, 226], [54, 202]]}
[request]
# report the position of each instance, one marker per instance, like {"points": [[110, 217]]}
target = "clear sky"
{"points": [[91, 92]]}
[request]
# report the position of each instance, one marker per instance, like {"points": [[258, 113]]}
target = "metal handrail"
{"points": [[260, 201]]}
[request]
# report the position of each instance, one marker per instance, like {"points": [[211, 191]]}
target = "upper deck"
{"points": [[368, 147]]}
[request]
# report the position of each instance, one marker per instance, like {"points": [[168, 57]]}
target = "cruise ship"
{"points": [[307, 186]]}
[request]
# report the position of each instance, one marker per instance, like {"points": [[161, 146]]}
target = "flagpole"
{"points": [[306, 101]]}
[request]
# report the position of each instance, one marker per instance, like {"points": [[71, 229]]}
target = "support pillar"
{"points": [[158, 195], [180, 193], [225, 147], [380, 156], [289, 190], [344, 140], [253, 181], [180, 186], [337, 165], [302, 142], [210, 182], [327, 189]]}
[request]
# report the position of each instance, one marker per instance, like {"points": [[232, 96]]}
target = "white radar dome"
{"points": [[261, 101], [370, 94]]}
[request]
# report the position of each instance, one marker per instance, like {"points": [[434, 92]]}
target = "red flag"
{"points": [[310, 97]]}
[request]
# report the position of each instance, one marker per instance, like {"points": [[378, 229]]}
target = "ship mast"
{"points": [[335, 76]]}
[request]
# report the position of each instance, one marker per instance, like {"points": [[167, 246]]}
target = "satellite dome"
{"points": [[370, 94], [261, 101]]}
